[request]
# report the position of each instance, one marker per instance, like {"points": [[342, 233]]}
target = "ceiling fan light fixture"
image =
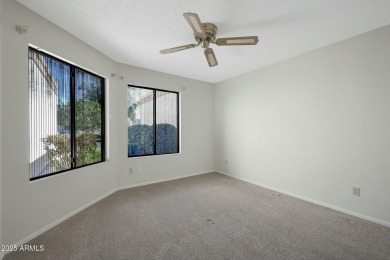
{"points": [[204, 44]]}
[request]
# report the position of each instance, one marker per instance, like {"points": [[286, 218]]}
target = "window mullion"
{"points": [[178, 122], [103, 122], [154, 123], [73, 117]]}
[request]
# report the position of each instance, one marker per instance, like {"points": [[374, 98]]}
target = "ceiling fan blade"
{"points": [[210, 56], [179, 48], [195, 23], [247, 40]]}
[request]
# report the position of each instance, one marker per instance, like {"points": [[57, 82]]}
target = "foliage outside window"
{"points": [[153, 121], [66, 116]]}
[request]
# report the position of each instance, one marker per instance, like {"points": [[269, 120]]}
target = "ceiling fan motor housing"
{"points": [[209, 36]]}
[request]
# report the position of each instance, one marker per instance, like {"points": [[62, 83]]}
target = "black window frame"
{"points": [[72, 73], [154, 120]]}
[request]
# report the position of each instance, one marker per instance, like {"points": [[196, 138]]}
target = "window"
{"points": [[66, 116], [153, 121]]}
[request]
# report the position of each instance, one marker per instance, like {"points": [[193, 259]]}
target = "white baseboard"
{"points": [[54, 223], [162, 180], [384, 223], [58, 221]]}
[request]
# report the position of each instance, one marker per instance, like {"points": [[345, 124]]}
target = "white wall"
{"points": [[196, 126], [315, 125], [29, 206]]}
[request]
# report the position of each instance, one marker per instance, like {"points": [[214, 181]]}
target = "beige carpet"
{"points": [[210, 216]]}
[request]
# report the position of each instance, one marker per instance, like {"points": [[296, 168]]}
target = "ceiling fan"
{"points": [[206, 33]]}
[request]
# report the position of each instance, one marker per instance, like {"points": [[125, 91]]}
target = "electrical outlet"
{"points": [[130, 170], [356, 191], [139, 169]]}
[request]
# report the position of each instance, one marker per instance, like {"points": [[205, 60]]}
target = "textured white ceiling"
{"points": [[132, 32]]}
